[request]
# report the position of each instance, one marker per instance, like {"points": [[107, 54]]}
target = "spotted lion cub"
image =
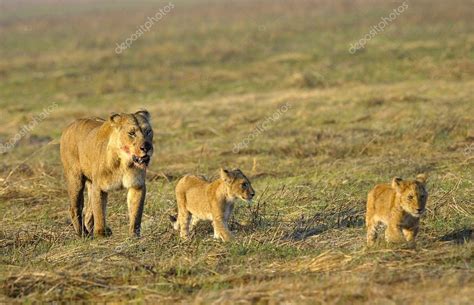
{"points": [[399, 206], [199, 199]]}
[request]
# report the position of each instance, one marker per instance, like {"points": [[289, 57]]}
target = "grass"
{"points": [[210, 72]]}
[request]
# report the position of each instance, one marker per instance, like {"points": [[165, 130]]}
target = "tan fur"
{"points": [[106, 155], [199, 199], [398, 206]]}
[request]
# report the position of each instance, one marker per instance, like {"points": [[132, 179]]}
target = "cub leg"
{"points": [[98, 202], [75, 185], [220, 228], [174, 222], [410, 235], [184, 216], [393, 234], [371, 232], [136, 203], [369, 220], [194, 222], [227, 214]]}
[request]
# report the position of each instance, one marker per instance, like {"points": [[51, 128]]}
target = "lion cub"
{"points": [[199, 199], [398, 206]]}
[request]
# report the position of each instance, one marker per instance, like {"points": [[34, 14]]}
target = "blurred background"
{"points": [[202, 48]]}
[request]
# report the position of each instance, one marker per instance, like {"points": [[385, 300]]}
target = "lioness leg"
{"points": [[98, 203], [136, 202], [76, 196], [89, 216]]}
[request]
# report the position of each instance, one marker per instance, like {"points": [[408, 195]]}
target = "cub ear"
{"points": [[422, 178], [226, 175], [144, 113], [115, 119], [396, 183]]}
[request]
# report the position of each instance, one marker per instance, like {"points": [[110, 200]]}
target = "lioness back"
{"points": [[76, 141]]}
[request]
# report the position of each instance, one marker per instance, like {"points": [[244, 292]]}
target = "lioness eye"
{"points": [[244, 185], [132, 133], [410, 197]]}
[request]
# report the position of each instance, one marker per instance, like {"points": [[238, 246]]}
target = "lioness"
{"points": [[199, 199], [398, 206], [106, 155]]}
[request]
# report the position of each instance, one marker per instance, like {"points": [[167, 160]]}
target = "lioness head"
{"points": [[412, 194], [237, 184], [133, 136]]}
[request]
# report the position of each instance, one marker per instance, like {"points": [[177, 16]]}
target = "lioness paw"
{"points": [[103, 232]]}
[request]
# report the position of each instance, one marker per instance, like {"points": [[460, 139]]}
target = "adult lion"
{"points": [[106, 155]]}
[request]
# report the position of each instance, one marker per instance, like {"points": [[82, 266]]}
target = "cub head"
{"points": [[237, 184], [133, 136], [412, 194]]}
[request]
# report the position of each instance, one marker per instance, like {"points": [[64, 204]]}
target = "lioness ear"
{"points": [[422, 178], [225, 175], [115, 118], [144, 113], [396, 183]]}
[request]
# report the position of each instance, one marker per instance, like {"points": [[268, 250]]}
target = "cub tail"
{"points": [[174, 221]]}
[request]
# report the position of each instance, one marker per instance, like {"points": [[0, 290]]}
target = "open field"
{"points": [[210, 73]]}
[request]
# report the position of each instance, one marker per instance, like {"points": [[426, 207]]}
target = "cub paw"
{"points": [[224, 237]]}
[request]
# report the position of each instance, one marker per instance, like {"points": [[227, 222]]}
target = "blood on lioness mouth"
{"points": [[141, 161]]}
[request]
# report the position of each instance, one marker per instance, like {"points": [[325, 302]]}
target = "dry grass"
{"points": [[302, 240]]}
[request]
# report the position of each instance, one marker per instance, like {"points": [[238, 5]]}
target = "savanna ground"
{"points": [[210, 72]]}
